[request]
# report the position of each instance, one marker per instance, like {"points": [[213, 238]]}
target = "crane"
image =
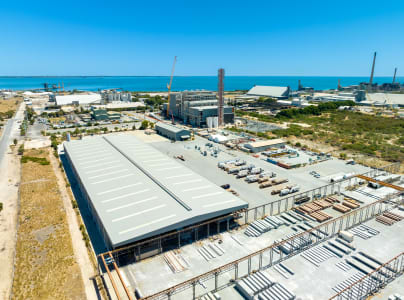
{"points": [[169, 86]]}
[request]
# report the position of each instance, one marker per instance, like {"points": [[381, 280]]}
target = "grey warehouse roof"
{"points": [[268, 91], [138, 192], [170, 127]]}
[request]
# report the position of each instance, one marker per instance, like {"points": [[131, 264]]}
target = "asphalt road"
{"points": [[11, 131]]}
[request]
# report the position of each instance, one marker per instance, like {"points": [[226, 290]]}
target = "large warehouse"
{"points": [[136, 192], [172, 132]]}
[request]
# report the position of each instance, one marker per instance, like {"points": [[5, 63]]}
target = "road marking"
{"points": [[172, 168], [139, 213], [93, 161]]}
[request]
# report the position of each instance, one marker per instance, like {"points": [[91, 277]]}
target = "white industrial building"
{"points": [[78, 99], [277, 92], [260, 146], [135, 192], [384, 99]]}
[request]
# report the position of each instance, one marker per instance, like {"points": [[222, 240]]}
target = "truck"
{"points": [[251, 178], [255, 171], [284, 192], [240, 163], [234, 170], [242, 173]]}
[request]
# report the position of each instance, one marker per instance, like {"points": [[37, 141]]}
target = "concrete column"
{"points": [[179, 240], [218, 226], [236, 271], [193, 290], [208, 229], [260, 261], [228, 224], [216, 281], [255, 214], [271, 256], [249, 265]]}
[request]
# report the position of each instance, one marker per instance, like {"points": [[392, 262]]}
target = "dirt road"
{"points": [[79, 247]]}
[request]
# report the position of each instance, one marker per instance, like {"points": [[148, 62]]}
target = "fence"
{"points": [[270, 255], [373, 281]]}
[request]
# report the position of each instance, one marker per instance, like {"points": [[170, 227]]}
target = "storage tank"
{"points": [[68, 136]]}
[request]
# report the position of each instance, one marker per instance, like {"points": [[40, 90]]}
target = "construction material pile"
{"points": [[389, 218], [259, 227]]}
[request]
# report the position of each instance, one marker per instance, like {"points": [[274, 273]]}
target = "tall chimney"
{"points": [[394, 77], [373, 71], [220, 88], [339, 84]]}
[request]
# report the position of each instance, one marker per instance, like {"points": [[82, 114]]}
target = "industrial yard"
{"points": [[319, 193]]}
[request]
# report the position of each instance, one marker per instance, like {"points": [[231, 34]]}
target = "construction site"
{"points": [[172, 221]]}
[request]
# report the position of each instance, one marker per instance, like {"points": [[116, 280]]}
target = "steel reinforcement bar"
{"points": [[271, 208], [362, 290], [389, 201]]}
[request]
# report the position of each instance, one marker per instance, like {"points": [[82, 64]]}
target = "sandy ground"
{"points": [[79, 247], [9, 180]]}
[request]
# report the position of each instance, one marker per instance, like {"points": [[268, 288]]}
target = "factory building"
{"points": [[265, 145], [172, 132], [193, 107], [77, 99], [135, 192], [109, 96], [103, 115], [276, 92]]}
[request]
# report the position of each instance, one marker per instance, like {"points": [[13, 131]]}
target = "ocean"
{"points": [[180, 83]]}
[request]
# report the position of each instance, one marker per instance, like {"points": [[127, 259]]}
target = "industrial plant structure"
{"points": [[136, 192], [172, 132], [194, 107]]}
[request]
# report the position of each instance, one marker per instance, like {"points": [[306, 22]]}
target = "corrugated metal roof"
{"points": [[265, 143], [268, 91], [139, 192], [170, 127], [82, 99]]}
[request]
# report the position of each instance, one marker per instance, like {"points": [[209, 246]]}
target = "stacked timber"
{"points": [[332, 199], [350, 204], [341, 208], [324, 204], [389, 218], [309, 208], [320, 216]]}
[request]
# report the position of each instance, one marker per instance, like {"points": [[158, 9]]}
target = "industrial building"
{"points": [[77, 99], [136, 192], [276, 92], [109, 96], [172, 132], [264, 145], [103, 115], [193, 107]]}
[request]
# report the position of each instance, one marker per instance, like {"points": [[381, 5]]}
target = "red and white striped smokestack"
{"points": [[220, 90]]}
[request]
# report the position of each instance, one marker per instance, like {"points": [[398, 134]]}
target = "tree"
{"points": [[15, 141], [144, 125]]}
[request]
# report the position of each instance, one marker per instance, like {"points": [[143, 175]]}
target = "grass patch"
{"points": [[45, 267], [40, 160]]}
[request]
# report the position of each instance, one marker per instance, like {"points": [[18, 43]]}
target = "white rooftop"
{"points": [[268, 91], [80, 98], [139, 192]]}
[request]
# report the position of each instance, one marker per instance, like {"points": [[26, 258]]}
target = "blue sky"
{"points": [[304, 38]]}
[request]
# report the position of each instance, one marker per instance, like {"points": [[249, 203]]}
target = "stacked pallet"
{"points": [[309, 208], [332, 199], [320, 216], [323, 203], [389, 218], [341, 208], [350, 204]]}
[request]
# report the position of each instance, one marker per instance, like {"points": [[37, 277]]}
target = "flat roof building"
{"points": [[264, 145], [78, 99], [136, 192], [278, 92], [172, 132]]}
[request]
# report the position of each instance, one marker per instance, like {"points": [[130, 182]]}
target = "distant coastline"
{"points": [[158, 83]]}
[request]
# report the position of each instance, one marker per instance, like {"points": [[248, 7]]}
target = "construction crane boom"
{"points": [[169, 86]]}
